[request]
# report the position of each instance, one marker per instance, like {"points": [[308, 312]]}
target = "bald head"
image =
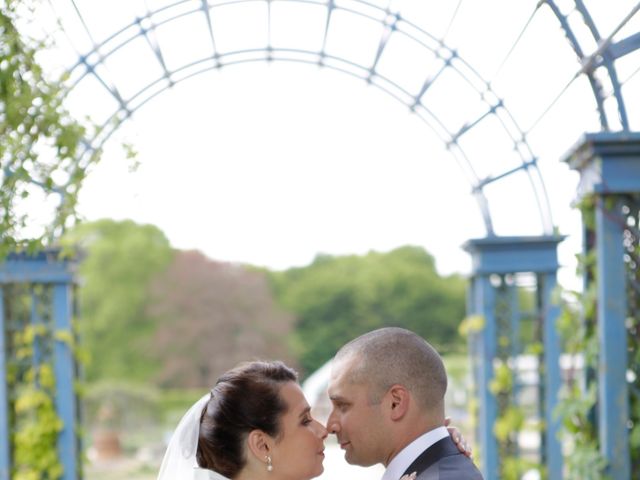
{"points": [[390, 356]]}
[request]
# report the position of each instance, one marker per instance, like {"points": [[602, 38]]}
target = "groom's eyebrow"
{"points": [[337, 398]]}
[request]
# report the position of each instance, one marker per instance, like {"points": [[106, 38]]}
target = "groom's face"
{"points": [[356, 422]]}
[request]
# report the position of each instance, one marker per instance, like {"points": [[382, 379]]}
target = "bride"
{"points": [[255, 424]]}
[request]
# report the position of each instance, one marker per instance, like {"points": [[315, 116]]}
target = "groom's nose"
{"points": [[333, 426]]}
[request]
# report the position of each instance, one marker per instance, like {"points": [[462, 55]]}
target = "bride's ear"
{"points": [[259, 444]]}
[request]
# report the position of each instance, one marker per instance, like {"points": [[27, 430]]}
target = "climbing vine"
{"points": [[578, 397], [39, 140], [512, 416], [578, 326], [35, 424], [631, 242]]}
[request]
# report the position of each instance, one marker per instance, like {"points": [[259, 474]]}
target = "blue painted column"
{"points": [[36, 320], [5, 459], [609, 166], [64, 368], [552, 376], [613, 393], [488, 411], [47, 269], [502, 256]]}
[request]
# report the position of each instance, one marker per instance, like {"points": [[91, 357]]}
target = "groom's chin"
{"points": [[356, 461]]}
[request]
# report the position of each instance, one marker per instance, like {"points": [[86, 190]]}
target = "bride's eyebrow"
{"points": [[304, 412]]}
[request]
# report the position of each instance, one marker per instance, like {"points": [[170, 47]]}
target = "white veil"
{"points": [[179, 461]]}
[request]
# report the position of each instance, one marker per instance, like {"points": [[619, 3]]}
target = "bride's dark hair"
{"points": [[244, 399]]}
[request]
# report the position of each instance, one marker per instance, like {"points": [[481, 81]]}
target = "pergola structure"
{"points": [[417, 81]]}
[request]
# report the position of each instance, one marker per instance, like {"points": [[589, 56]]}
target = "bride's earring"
{"points": [[269, 464]]}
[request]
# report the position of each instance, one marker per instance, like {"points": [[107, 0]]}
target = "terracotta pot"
{"points": [[107, 444]]}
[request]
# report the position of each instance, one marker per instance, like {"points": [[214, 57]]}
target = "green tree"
{"points": [[121, 259], [338, 298], [212, 315]]}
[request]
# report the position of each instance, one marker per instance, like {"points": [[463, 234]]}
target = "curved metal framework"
{"points": [[391, 24], [606, 54]]}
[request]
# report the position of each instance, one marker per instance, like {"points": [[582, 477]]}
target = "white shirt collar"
{"points": [[408, 454]]}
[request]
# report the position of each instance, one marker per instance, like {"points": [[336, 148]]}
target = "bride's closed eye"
{"points": [[306, 418]]}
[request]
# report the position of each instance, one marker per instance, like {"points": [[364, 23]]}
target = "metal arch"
{"points": [[607, 60], [605, 55], [392, 23], [593, 81]]}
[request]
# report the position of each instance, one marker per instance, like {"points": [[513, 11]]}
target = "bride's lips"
{"points": [[343, 445]]}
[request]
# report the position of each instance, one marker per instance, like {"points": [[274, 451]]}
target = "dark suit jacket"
{"points": [[443, 461]]}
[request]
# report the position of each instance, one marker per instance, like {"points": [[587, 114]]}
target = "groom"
{"points": [[387, 389]]}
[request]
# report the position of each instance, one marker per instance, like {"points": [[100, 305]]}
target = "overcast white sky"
{"points": [[271, 164]]}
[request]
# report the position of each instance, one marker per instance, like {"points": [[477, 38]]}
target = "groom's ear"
{"points": [[398, 401], [259, 443]]}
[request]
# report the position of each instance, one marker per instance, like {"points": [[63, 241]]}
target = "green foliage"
{"points": [[117, 405], [39, 141], [39, 146], [121, 259], [211, 316], [512, 418], [172, 403], [35, 423], [632, 260], [503, 379], [471, 325], [508, 424], [338, 298], [36, 433], [577, 327]]}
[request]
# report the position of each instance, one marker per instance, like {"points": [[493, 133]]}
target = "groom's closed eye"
{"points": [[341, 405]]}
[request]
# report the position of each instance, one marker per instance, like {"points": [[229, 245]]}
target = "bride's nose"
{"points": [[321, 431]]}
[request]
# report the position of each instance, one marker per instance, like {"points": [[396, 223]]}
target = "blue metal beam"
{"points": [[626, 46], [44, 267], [593, 81], [607, 162], [36, 320], [468, 126], [65, 374], [387, 31], [603, 56], [613, 393], [207, 14], [552, 377], [5, 458], [490, 179], [330, 7], [485, 299], [429, 81], [514, 254]]}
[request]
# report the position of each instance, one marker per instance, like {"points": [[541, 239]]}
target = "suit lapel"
{"points": [[440, 449]]}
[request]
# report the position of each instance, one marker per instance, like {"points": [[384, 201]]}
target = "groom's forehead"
{"points": [[343, 383], [343, 368]]}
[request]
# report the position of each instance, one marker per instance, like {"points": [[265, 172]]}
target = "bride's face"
{"points": [[299, 452]]}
